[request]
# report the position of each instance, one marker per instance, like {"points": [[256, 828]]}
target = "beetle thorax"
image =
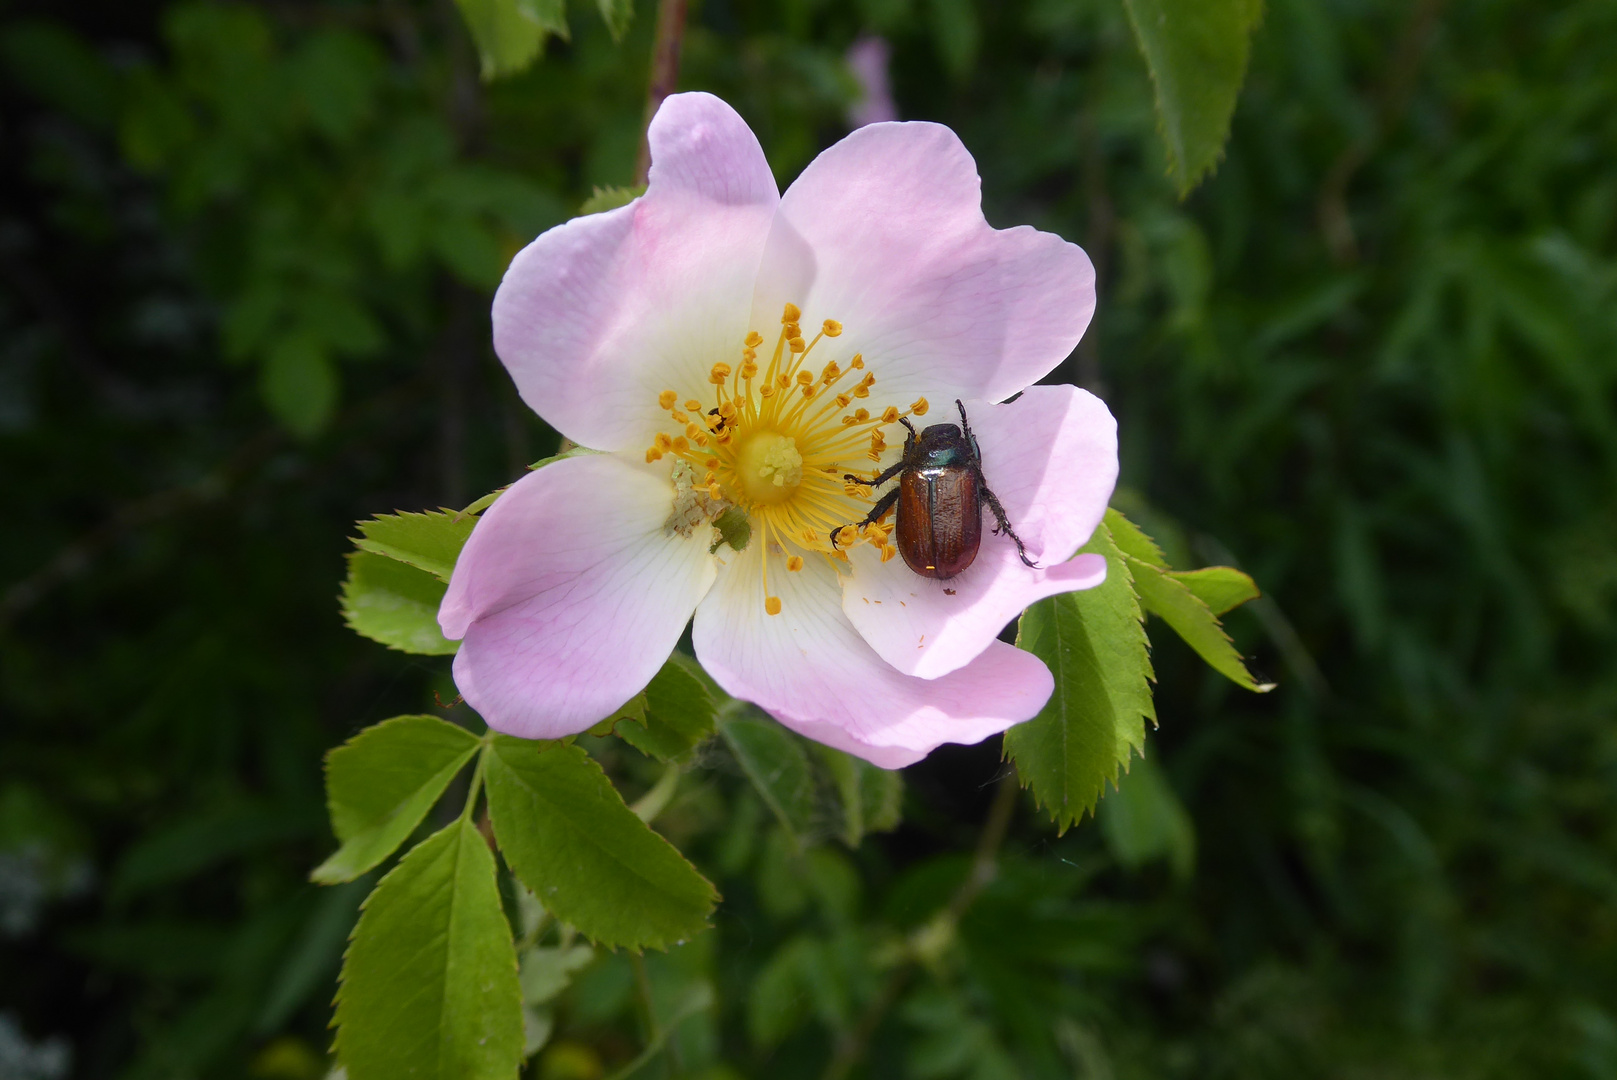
{"points": [[776, 437]]}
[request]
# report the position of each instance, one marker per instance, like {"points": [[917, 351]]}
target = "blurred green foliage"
{"points": [[246, 254]]}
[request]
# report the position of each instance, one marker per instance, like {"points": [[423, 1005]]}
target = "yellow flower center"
{"points": [[769, 468], [778, 440]]}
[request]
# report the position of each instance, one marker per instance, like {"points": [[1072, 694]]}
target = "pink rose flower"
{"points": [[724, 346]]}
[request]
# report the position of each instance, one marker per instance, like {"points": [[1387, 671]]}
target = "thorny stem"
{"points": [[852, 1048], [664, 73]]}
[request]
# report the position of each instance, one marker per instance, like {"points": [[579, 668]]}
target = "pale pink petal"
{"points": [[599, 315], [1051, 458], [570, 594], [810, 669], [885, 233]]}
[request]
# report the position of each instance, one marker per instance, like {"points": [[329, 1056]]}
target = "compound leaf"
{"points": [[616, 14], [1197, 53], [566, 833], [429, 541], [429, 985], [1171, 600], [1221, 588], [510, 33], [777, 764], [395, 604], [869, 798], [380, 785], [677, 713], [1095, 646]]}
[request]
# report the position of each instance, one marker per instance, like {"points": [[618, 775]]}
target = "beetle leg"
{"points": [[1004, 523], [877, 512], [897, 468]]}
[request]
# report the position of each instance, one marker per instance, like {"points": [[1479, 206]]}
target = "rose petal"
{"points": [[597, 316], [569, 595], [809, 668], [1051, 459], [885, 233]]}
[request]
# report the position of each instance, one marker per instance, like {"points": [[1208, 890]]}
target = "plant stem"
{"points": [[475, 788], [664, 73], [852, 1048]]}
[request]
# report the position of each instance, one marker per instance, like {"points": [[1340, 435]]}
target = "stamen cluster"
{"points": [[779, 440]]}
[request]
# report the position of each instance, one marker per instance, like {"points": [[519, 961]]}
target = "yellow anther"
{"points": [[693, 430], [680, 445], [861, 415], [693, 405], [887, 552], [805, 379], [719, 375], [711, 477], [858, 361], [797, 344], [784, 380], [873, 455], [831, 373], [791, 313], [713, 463], [831, 328], [766, 390], [701, 440], [792, 330], [772, 605], [679, 417], [861, 391], [795, 563], [662, 442], [754, 339], [653, 454], [715, 492], [666, 399], [920, 407], [728, 410], [843, 401], [810, 536], [852, 489], [808, 391], [749, 355], [749, 371], [889, 415]]}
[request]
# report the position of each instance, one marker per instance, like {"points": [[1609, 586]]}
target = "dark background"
{"points": [[246, 252]]}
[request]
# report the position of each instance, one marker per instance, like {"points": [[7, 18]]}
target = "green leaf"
{"points": [[565, 832], [869, 798], [546, 972], [429, 541], [1171, 600], [1197, 53], [1144, 820], [510, 33], [1095, 646], [610, 198], [1221, 588], [380, 785], [677, 713], [617, 15], [429, 985], [394, 604], [1132, 541], [299, 384], [778, 766]]}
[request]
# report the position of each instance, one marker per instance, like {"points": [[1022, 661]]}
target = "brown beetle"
{"points": [[940, 496]]}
